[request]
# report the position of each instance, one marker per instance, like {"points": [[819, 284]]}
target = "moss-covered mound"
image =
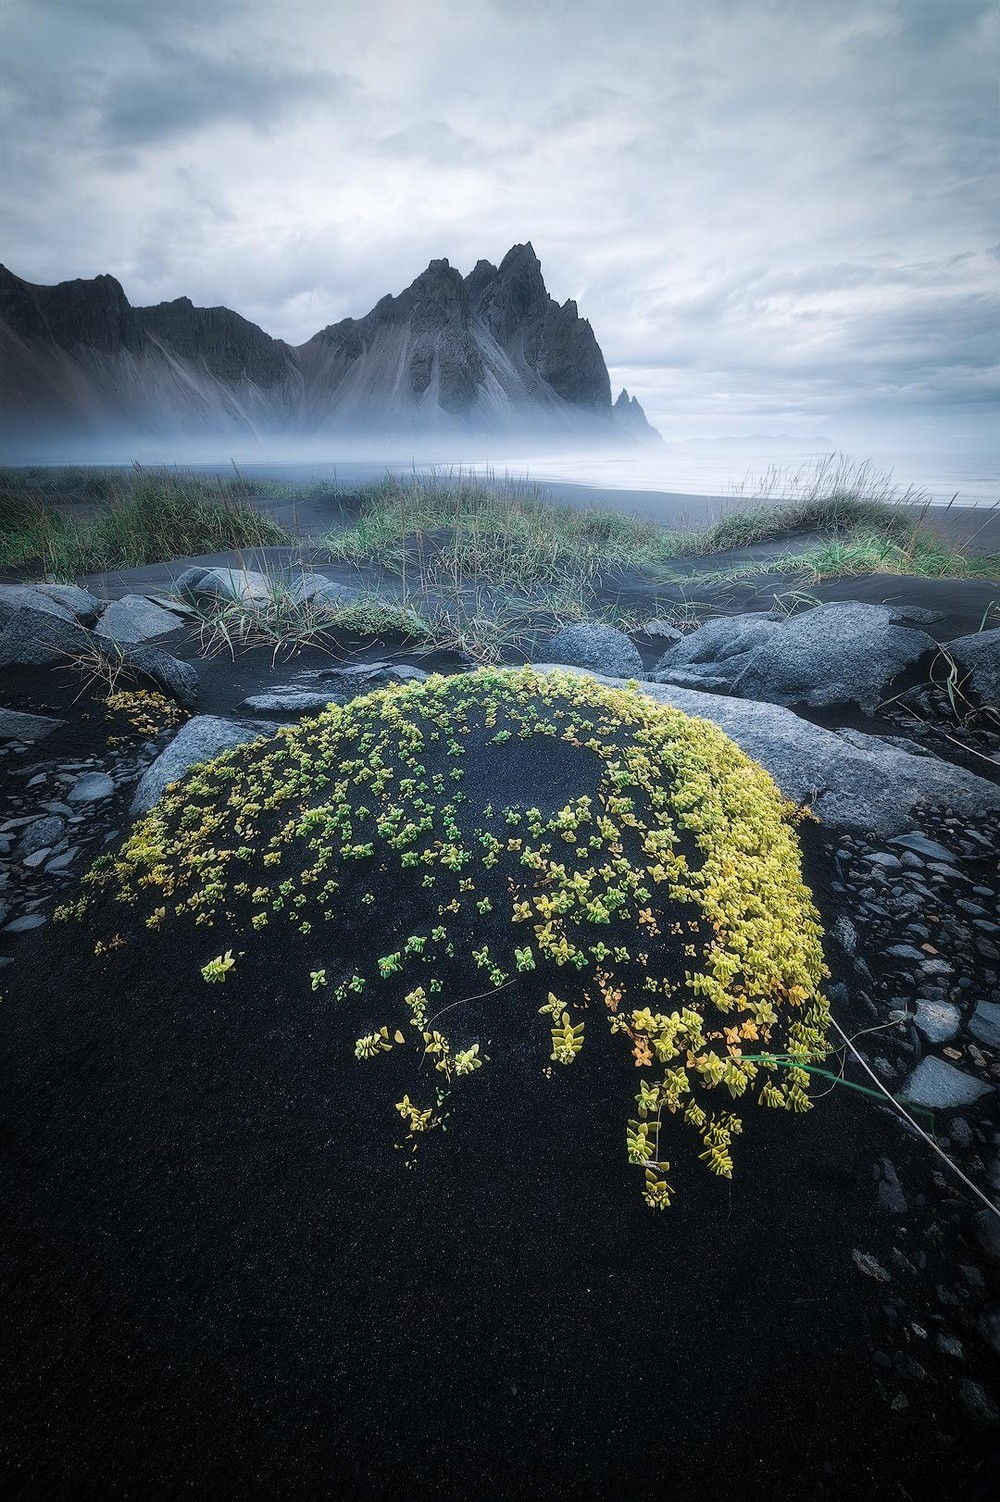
{"points": [[575, 856]]}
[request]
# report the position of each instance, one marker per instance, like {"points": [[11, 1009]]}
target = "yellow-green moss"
{"points": [[687, 849]]}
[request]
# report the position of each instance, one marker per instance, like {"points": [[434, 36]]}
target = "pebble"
{"points": [[985, 1023], [866, 1263], [25, 924], [90, 788], [978, 1402], [937, 1021]]}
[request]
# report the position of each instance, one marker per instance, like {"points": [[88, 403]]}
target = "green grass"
{"points": [[455, 529], [140, 516], [922, 554]]}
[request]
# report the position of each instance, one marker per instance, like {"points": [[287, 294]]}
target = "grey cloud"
{"points": [[763, 207], [187, 90], [432, 141]]}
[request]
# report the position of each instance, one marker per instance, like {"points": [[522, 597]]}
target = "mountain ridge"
{"points": [[490, 353]]}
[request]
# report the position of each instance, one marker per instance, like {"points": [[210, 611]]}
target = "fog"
{"points": [[945, 467]]}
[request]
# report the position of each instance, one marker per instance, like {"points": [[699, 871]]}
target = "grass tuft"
{"points": [[141, 516]]}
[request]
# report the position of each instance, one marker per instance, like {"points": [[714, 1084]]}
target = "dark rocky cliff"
{"points": [[228, 346], [94, 313]]}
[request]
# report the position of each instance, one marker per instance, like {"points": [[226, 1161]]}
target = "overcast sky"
{"points": [[779, 215]]}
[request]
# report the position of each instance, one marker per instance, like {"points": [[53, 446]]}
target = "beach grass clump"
{"points": [[138, 516], [447, 863], [449, 530], [921, 553]]}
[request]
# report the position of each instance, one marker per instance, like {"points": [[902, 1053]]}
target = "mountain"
{"points": [[488, 354], [630, 417]]}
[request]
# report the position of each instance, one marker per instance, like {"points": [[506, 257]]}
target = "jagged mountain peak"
{"points": [[490, 352], [629, 416]]}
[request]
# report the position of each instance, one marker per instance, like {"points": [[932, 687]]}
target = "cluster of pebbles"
{"points": [[55, 817], [920, 943]]}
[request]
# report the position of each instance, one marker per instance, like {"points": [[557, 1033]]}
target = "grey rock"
{"points": [[905, 613], [846, 935], [845, 652], [347, 682], [979, 655], [960, 1131], [703, 680], [39, 834], [988, 1233], [720, 641], [937, 1021], [15, 726], [601, 648], [950, 1345], [292, 700], [15, 597], [663, 630], [202, 739], [979, 1403], [91, 788], [79, 602], [328, 593], [61, 862], [866, 1263], [890, 1194], [207, 585], [177, 679], [919, 844], [712, 658], [134, 619], [870, 793], [25, 924], [38, 638], [905, 952], [984, 1024], [939, 1086], [37, 857]]}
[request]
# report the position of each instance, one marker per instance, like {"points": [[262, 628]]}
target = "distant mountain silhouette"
{"points": [[490, 353]]}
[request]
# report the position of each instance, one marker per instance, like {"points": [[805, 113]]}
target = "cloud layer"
{"points": [[776, 215]]}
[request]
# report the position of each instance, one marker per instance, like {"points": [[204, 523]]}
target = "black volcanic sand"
{"points": [[219, 1279]]}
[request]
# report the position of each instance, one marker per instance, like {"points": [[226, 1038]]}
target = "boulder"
{"points": [[720, 649], [984, 1024], [841, 653], [223, 585], [134, 619], [36, 638], [866, 790], [979, 656], [15, 726], [177, 679], [202, 739], [939, 1086], [15, 597], [79, 602], [601, 648]]}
